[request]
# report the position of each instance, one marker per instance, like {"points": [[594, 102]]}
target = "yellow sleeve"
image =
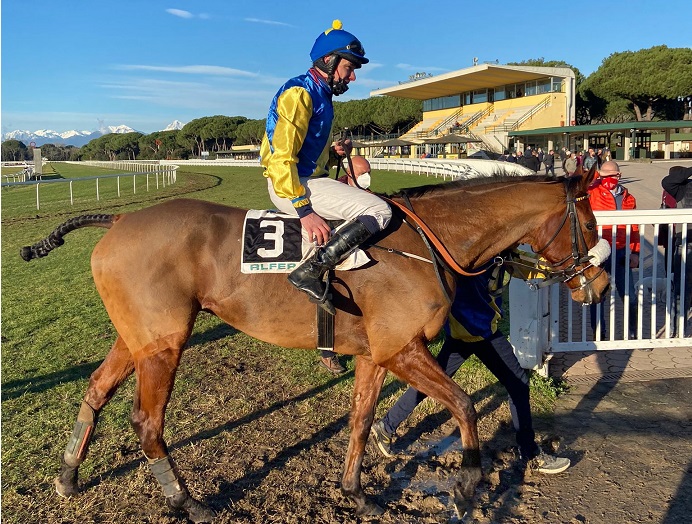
{"points": [[294, 107]]}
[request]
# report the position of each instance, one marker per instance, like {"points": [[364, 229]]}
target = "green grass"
{"points": [[55, 330]]}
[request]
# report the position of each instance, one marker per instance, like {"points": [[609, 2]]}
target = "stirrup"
{"points": [[325, 301]]}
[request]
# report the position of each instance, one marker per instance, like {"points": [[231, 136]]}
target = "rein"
{"points": [[553, 273], [429, 236]]}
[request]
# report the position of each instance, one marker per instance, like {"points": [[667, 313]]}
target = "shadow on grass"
{"points": [[40, 384], [16, 388], [254, 478]]}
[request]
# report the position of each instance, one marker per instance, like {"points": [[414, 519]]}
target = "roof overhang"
{"points": [[476, 77], [605, 128]]}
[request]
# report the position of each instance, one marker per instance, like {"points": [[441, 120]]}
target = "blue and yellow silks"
{"points": [[297, 139]]}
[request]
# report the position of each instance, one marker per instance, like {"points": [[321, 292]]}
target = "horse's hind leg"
{"points": [[416, 366], [155, 377], [368, 383], [103, 383]]}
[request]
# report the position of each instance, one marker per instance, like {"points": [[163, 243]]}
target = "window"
{"points": [[480, 95], [543, 86], [444, 102]]}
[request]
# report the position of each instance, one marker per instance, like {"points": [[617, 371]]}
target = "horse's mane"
{"points": [[499, 177]]}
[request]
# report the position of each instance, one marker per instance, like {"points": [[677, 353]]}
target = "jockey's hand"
{"points": [[317, 229], [343, 147], [634, 260]]}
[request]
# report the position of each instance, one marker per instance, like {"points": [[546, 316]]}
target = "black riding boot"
{"points": [[308, 276]]}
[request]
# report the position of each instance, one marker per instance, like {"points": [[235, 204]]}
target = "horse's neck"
{"points": [[477, 225]]}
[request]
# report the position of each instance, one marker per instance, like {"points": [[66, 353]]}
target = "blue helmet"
{"points": [[336, 41]]}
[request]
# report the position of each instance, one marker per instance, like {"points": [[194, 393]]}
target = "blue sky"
{"points": [[84, 64]]}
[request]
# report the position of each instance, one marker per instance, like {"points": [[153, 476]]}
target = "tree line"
{"points": [[646, 85]]}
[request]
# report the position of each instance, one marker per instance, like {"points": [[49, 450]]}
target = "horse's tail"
{"points": [[55, 239]]}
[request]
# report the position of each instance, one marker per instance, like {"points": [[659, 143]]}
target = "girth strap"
{"points": [[325, 329]]}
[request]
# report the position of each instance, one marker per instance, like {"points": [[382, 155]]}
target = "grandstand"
{"points": [[487, 102]]}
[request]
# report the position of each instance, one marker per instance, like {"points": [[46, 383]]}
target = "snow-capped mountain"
{"points": [[175, 125], [72, 137]]}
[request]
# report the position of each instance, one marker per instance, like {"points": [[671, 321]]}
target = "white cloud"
{"points": [[268, 22], [191, 70], [180, 13]]}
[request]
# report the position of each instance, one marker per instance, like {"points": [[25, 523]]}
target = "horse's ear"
{"points": [[589, 177]]}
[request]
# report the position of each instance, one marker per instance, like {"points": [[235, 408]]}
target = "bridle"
{"points": [[579, 257]]}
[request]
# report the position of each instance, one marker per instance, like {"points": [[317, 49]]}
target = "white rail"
{"points": [[548, 321], [162, 176]]}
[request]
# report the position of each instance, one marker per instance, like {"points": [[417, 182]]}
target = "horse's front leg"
{"points": [[416, 365], [103, 384], [366, 390], [155, 377]]}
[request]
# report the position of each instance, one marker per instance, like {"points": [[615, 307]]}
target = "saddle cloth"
{"points": [[274, 242]]}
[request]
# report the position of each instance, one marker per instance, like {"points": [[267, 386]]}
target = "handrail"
{"points": [[535, 109], [471, 122], [447, 121]]}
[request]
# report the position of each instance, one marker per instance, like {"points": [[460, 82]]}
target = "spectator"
{"points": [[678, 184], [607, 194], [513, 158], [549, 162], [590, 159], [531, 161], [570, 164], [563, 158], [541, 156], [328, 359]]}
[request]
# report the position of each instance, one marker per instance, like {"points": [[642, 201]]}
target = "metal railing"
{"points": [[162, 176], [534, 110]]}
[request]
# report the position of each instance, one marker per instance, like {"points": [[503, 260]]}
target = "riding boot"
{"points": [[308, 277]]}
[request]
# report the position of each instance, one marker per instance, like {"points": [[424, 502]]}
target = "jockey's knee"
{"points": [[376, 219]]}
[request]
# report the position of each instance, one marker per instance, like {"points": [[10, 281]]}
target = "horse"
{"points": [[157, 268]]}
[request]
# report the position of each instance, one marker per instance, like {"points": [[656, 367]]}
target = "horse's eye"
{"points": [[590, 225]]}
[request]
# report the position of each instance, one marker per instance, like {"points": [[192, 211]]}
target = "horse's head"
{"points": [[569, 242]]}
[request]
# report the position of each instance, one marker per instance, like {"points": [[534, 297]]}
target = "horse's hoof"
{"points": [[65, 489], [461, 505], [369, 509], [198, 512]]}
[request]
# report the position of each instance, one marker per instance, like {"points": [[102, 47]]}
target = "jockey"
{"points": [[295, 154]]}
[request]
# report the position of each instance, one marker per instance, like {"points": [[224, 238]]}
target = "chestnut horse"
{"points": [[157, 268]]}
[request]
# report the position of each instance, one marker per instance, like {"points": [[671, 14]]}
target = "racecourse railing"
{"points": [[547, 320], [451, 169], [153, 174]]}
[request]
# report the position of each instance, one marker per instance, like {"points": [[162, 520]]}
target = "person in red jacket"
{"points": [[607, 194]]}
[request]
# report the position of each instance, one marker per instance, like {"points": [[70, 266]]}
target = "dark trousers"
{"points": [[620, 271], [498, 356], [677, 281], [550, 169]]}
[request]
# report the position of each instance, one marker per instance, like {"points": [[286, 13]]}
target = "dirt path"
{"points": [[262, 449]]}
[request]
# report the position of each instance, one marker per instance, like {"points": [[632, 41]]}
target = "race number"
{"points": [[271, 243]]}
